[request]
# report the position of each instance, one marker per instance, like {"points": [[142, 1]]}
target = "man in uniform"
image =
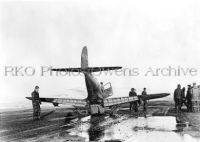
{"points": [[189, 99], [183, 100], [102, 87], [177, 98], [36, 103], [133, 105], [144, 92], [195, 91]]}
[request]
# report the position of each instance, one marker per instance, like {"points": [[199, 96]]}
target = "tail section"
{"points": [[84, 65]]}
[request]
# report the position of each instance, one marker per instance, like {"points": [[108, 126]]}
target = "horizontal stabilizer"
{"points": [[90, 69], [68, 69], [97, 69]]}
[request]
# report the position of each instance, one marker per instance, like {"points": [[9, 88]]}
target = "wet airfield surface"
{"points": [[160, 124]]}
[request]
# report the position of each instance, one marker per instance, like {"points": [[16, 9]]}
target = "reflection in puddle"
{"points": [[122, 128]]}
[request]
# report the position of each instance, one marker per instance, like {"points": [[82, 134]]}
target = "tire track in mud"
{"points": [[28, 133], [49, 130]]}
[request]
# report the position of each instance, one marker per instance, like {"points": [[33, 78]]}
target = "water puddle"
{"points": [[124, 128]]}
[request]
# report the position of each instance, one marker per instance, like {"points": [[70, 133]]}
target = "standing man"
{"points": [[183, 101], [189, 99], [36, 103], [133, 105], [195, 91], [144, 92], [102, 87], [177, 98]]}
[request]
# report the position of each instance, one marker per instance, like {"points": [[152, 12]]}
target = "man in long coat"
{"points": [[36, 103]]}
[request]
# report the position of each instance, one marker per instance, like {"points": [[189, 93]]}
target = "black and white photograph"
{"points": [[100, 71]]}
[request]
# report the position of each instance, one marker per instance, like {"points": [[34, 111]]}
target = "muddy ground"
{"points": [[161, 123]]}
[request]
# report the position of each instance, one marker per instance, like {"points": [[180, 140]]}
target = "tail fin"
{"points": [[84, 65], [84, 58]]}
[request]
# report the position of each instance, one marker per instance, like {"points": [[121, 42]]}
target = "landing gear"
{"points": [[114, 110], [80, 112]]}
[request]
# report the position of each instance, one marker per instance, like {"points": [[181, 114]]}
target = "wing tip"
{"points": [[29, 98]]}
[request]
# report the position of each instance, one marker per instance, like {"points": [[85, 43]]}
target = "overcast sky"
{"points": [[132, 34]]}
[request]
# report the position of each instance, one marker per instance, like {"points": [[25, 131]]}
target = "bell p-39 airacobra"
{"points": [[97, 100]]}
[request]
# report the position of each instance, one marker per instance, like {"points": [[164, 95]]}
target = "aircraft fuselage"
{"points": [[95, 94]]}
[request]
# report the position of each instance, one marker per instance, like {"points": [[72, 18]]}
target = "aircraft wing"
{"points": [[64, 101], [120, 100], [152, 96]]}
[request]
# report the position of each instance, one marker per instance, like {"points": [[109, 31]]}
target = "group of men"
{"points": [[134, 105], [180, 98]]}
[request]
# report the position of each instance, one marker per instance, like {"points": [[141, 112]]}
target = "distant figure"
{"points": [[195, 92], [134, 104], [177, 98], [199, 92], [183, 101], [189, 99], [36, 103], [102, 87], [145, 101]]}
